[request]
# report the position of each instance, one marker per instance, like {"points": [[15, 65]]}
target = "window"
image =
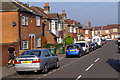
{"points": [[34, 52], [107, 31], [25, 44], [71, 30], [39, 42], [46, 53], [115, 30], [24, 21], [86, 32], [37, 21]]}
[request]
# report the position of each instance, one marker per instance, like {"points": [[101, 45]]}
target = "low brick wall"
{"points": [[5, 52]]}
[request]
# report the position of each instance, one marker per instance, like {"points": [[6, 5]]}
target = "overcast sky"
{"points": [[99, 13]]}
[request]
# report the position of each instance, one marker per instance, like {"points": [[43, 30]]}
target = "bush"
{"points": [[68, 40]]}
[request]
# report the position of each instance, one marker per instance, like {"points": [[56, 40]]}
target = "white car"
{"points": [[97, 40], [84, 44]]}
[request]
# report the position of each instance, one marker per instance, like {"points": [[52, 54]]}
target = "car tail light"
{"points": [[78, 49], [17, 62], [66, 49], [36, 61]]}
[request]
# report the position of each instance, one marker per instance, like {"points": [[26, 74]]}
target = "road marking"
{"points": [[79, 77], [89, 67], [96, 59], [62, 58]]}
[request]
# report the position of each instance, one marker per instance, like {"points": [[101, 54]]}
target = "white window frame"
{"points": [[24, 20], [115, 30], [86, 31], [24, 42], [38, 42], [106, 31], [37, 21]]}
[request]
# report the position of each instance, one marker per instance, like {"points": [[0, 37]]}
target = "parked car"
{"points": [[35, 60], [97, 40], [90, 47], [96, 45], [93, 46], [103, 41], [84, 45], [74, 49], [119, 44]]}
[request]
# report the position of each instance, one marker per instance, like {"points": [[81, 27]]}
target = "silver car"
{"points": [[35, 60]]}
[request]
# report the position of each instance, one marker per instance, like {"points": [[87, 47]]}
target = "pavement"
{"points": [[6, 72]]}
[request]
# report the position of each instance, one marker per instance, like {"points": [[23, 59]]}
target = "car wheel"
{"points": [[19, 72], [67, 56], [57, 65], [45, 70]]}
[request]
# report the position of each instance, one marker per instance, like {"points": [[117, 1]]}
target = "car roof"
{"points": [[37, 49], [73, 44]]}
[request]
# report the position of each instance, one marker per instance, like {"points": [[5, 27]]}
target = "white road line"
{"points": [[79, 77], [89, 67], [96, 59]]}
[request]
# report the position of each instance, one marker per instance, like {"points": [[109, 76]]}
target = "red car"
{"points": [[103, 41]]}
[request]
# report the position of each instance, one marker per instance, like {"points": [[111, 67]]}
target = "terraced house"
{"points": [[111, 31]]}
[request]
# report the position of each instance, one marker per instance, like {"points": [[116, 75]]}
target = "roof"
{"points": [[17, 6], [39, 10], [53, 15], [60, 16]]}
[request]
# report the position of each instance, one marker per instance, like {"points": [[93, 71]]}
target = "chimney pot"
{"points": [[46, 4]]}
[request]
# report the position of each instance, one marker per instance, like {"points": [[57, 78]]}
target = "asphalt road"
{"points": [[102, 63]]}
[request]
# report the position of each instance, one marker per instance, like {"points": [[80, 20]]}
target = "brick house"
{"points": [[20, 25], [51, 38], [72, 28], [105, 32]]}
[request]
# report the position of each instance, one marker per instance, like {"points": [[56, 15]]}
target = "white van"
{"points": [[97, 40], [84, 45]]}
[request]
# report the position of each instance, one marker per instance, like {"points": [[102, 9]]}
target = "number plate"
{"points": [[72, 50], [25, 62]]}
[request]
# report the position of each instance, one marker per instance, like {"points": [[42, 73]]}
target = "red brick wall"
{"points": [[5, 52], [48, 35], [9, 32], [31, 28]]}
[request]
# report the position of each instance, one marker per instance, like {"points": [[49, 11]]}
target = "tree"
{"points": [[68, 40]]}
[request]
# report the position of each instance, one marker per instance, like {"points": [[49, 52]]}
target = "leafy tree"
{"points": [[68, 40]]}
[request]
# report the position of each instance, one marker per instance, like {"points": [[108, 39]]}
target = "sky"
{"points": [[99, 13]]}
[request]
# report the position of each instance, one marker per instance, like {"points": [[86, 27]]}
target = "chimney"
{"points": [[26, 5], [64, 14], [46, 8], [89, 24]]}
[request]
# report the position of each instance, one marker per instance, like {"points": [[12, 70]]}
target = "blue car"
{"points": [[74, 49]]}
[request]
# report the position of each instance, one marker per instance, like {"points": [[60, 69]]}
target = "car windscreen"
{"points": [[31, 53], [103, 40], [72, 47], [81, 44]]}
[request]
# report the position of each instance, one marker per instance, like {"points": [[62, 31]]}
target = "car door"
{"points": [[54, 57], [47, 58]]}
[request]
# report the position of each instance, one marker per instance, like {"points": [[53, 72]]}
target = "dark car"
{"points": [[119, 44], [103, 41], [74, 49], [96, 45], [93, 45], [90, 47]]}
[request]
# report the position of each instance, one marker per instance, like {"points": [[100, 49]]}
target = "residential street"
{"points": [[101, 63]]}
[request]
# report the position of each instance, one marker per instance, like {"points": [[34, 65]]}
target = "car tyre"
{"points": [[57, 65], [19, 72], [67, 56], [45, 70]]}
